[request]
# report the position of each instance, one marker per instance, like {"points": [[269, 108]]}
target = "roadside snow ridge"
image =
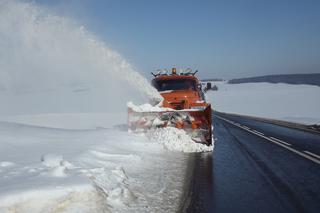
{"points": [[174, 139]]}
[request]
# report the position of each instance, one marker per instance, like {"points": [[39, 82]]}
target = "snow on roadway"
{"points": [[44, 169], [177, 140], [296, 103]]}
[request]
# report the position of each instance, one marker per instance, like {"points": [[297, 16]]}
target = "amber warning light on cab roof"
{"points": [[174, 72]]}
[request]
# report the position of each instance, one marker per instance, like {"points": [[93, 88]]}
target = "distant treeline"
{"points": [[211, 79], [311, 79]]}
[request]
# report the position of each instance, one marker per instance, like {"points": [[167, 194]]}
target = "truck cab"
{"points": [[183, 107], [180, 91]]}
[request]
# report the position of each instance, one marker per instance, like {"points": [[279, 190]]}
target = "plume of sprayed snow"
{"points": [[43, 51]]}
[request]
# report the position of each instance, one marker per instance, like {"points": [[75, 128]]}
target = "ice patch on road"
{"points": [[174, 139]]}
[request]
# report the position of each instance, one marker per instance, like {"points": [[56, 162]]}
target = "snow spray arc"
{"points": [[56, 51]]}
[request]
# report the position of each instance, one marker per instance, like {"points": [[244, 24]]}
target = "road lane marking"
{"points": [[256, 131], [281, 141], [313, 159], [311, 153], [246, 127]]}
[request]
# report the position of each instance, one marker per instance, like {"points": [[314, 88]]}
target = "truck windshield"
{"points": [[176, 84]]}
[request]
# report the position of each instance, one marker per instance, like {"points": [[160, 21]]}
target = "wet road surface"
{"points": [[256, 167]]}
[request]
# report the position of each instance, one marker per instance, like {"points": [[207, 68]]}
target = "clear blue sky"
{"points": [[222, 39]]}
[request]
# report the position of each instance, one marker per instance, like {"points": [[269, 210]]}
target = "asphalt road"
{"points": [[256, 167]]}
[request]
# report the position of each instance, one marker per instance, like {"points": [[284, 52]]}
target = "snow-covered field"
{"points": [[64, 146], [87, 162], [106, 169], [296, 103]]}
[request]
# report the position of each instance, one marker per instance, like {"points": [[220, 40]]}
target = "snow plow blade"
{"points": [[196, 122]]}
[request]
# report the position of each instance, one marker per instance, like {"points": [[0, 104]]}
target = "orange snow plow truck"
{"points": [[184, 107]]}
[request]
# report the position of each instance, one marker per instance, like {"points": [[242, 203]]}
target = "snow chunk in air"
{"points": [[56, 165], [51, 160]]}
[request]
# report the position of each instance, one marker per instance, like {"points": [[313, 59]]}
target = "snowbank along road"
{"points": [[54, 163]]}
